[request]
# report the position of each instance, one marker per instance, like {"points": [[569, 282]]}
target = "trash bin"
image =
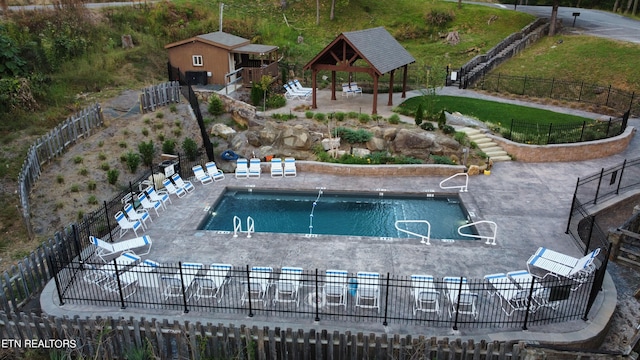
{"points": [[169, 167]]}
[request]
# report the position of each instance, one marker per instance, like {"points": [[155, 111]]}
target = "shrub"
{"points": [[133, 161], [442, 120], [364, 118], [460, 137], [60, 179], [169, 146], [319, 116], [102, 156], [112, 176], [177, 132], [190, 149], [419, 115], [75, 188], [216, 106], [283, 116], [394, 119], [77, 160], [160, 115], [352, 115], [93, 200], [105, 166], [173, 108], [353, 136], [80, 215], [100, 143], [309, 114], [91, 185], [276, 101], [83, 172], [145, 131], [147, 121], [340, 116], [256, 95], [448, 129], [177, 123], [444, 160], [123, 144], [146, 150], [428, 126], [438, 18]]}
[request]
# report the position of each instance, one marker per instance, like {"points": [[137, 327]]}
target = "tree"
{"points": [[554, 17], [333, 8], [317, 12]]}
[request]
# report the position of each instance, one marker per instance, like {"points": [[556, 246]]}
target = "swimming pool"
{"points": [[338, 213]]}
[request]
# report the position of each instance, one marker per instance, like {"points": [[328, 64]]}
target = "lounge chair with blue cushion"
{"points": [[524, 280], [126, 225], [201, 175], [213, 171], [172, 189], [368, 290], [276, 168], [426, 297], [186, 185], [545, 262], [335, 287], [461, 299], [212, 283], [298, 86], [288, 285], [254, 168], [512, 297], [162, 196], [104, 275], [258, 286], [242, 168], [141, 215], [148, 204], [106, 249], [292, 94], [290, 169]]}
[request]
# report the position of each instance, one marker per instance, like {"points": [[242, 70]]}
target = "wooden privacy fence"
{"points": [[115, 338], [51, 145], [159, 95]]}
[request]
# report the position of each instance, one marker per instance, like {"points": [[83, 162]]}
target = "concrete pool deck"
{"points": [[530, 202]]}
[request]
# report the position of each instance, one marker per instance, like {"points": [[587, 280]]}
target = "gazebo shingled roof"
{"points": [[382, 53]]}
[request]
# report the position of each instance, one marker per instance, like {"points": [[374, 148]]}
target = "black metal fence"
{"points": [[326, 295], [593, 189], [564, 90], [530, 133]]}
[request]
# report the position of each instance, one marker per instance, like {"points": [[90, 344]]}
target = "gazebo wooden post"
{"points": [[375, 94], [314, 85], [390, 103], [404, 81], [333, 84]]}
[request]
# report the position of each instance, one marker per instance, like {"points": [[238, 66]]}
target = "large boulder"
{"points": [[296, 137], [222, 130], [376, 144]]}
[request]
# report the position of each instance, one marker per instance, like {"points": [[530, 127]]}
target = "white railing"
{"points": [[237, 226], [463, 188], [491, 240], [423, 237]]}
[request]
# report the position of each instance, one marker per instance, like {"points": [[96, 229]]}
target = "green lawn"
{"points": [[489, 111]]}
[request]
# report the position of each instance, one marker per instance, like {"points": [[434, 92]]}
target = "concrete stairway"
{"points": [[488, 146]]}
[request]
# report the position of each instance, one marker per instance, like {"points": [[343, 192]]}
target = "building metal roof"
{"points": [[255, 49], [227, 40], [379, 49]]}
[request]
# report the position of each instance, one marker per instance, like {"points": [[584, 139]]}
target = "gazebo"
{"points": [[376, 47]]}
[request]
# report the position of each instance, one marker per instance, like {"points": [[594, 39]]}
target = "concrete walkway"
{"points": [[530, 202]]}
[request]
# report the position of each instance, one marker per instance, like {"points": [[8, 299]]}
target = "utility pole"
{"points": [[221, 11]]}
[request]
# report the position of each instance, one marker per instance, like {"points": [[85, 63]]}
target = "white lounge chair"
{"points": [[186, 185], [293, 94], [213, 171], [298, 86], [141, 215], [426, 297], [351, 89], [183, 279], [126, 225], [461, 300], [368, 291], [524, 280], [254, 168], [288, 285], [276, 167], [511, 297], [172, 189], [104, 275], [161, 195], [105, 249], [335, 287], [545, 262], [211, 284], [258, 286], [290, 167], [143, 274], [148, 204], [242, 169], [201, 175]]}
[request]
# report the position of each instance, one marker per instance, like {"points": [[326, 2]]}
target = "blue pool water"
{"points": [[338, 213]]}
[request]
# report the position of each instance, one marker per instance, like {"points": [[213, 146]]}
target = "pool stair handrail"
{"points": [[237, 226], [463, 188], [423, 237], [491, 240]]}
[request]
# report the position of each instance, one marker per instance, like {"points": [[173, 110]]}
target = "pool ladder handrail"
{"points": [[463, 188], [423, 237], [491, 240], [237, 226]]}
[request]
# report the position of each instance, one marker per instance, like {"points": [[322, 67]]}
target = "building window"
{"points": [[197, 60]]}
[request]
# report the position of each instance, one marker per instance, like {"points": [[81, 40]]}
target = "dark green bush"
{"points": [[340, 116], [439, 18], [319, 116], [364, 118], [256, 95], [444, 160], [216, 106], [146, 150], [353, 136], [448, 129], [169, 146], [419, 115], [190, 149], [428, 126], [112, 176], [133, 161], [276, 101], [394, 119]]}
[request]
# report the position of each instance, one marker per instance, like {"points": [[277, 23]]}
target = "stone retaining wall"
{"points": [[566, 152], [378, 170]]}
